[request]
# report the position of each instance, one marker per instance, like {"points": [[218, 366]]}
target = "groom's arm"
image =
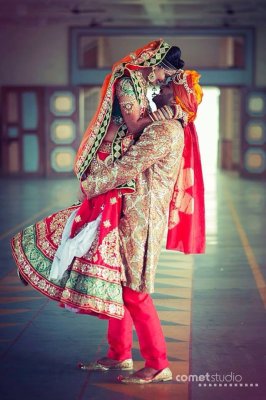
{"points": [[153, 145]]}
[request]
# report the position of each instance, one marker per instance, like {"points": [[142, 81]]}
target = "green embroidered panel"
{"points": [[37, 259], [82, 284], [94, 287], [125, 87], [158, 57], [137, 86]]}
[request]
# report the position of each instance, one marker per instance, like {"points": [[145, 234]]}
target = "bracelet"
{"points": [[162, 114], [180, 114]]}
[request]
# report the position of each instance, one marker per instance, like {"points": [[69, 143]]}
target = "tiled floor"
{"points": [[212, 307]]}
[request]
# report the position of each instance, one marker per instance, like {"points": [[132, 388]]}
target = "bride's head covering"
{"points": [[150, 55], [186, 225]]}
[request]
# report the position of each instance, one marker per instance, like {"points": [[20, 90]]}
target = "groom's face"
{"points": [[165, 97]]}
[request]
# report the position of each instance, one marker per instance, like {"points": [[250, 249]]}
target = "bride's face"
{"points": [[160, 74]]}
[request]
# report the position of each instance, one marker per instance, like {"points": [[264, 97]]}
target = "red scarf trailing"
{"points": [[186, 226]]}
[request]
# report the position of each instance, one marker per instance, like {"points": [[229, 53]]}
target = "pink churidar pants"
{"points": [[140, 310]]}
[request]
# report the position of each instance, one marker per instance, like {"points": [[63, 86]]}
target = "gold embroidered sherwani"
{"points": [[153, 162]]}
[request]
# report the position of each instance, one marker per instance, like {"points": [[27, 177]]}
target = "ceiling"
{"points": [[134, 13]]}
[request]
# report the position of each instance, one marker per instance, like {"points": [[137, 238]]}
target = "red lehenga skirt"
{"points": [[92, 284]]}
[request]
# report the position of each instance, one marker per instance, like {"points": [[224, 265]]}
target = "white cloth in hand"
{"points": [[69, 248]]}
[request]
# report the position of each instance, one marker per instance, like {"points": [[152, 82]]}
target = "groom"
{"points": [[153, 162]]}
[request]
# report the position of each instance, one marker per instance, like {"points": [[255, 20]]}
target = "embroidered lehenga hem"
{"points": [[87, 287]]}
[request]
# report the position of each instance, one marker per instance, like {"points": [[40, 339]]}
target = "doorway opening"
{"points": [[207, 124]]}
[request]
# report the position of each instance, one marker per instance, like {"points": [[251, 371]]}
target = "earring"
{"points": [[152, 76], [154, 90]]}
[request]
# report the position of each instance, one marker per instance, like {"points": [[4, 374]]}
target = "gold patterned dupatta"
{"points": [[147, 56]]}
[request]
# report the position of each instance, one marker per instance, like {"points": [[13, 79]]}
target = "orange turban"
{"points": [[187, 92]]}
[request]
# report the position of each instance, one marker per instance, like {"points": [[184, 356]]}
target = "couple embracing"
{"points": [[99, 257]]}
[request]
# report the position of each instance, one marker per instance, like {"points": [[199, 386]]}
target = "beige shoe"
{"points": [[102, 365], [161, 376]]}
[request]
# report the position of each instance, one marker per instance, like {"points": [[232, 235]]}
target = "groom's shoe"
{"points": [[140, 377], [106, 364]]}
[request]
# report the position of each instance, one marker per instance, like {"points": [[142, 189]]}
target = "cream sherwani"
{"points": [[153, 162]]}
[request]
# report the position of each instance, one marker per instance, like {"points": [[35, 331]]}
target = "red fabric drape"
{"points": [[186, 226], [186, 231]]}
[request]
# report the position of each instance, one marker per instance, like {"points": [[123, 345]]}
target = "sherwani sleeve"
{"points": [[153, 145]]}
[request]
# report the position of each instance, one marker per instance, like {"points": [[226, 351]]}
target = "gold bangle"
{"points": [[155, 116], [151, 116], [169, 111], [165, 114]]}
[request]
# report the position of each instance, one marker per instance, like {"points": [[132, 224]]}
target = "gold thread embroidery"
{"points": [[125, 88], [127, 106], [107, 223], [109, 249], [106, 147]]}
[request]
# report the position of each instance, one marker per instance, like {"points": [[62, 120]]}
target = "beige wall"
{"points": [[196, 52], [260, 57], [34, 55], [39, 55], [229, 127]]}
